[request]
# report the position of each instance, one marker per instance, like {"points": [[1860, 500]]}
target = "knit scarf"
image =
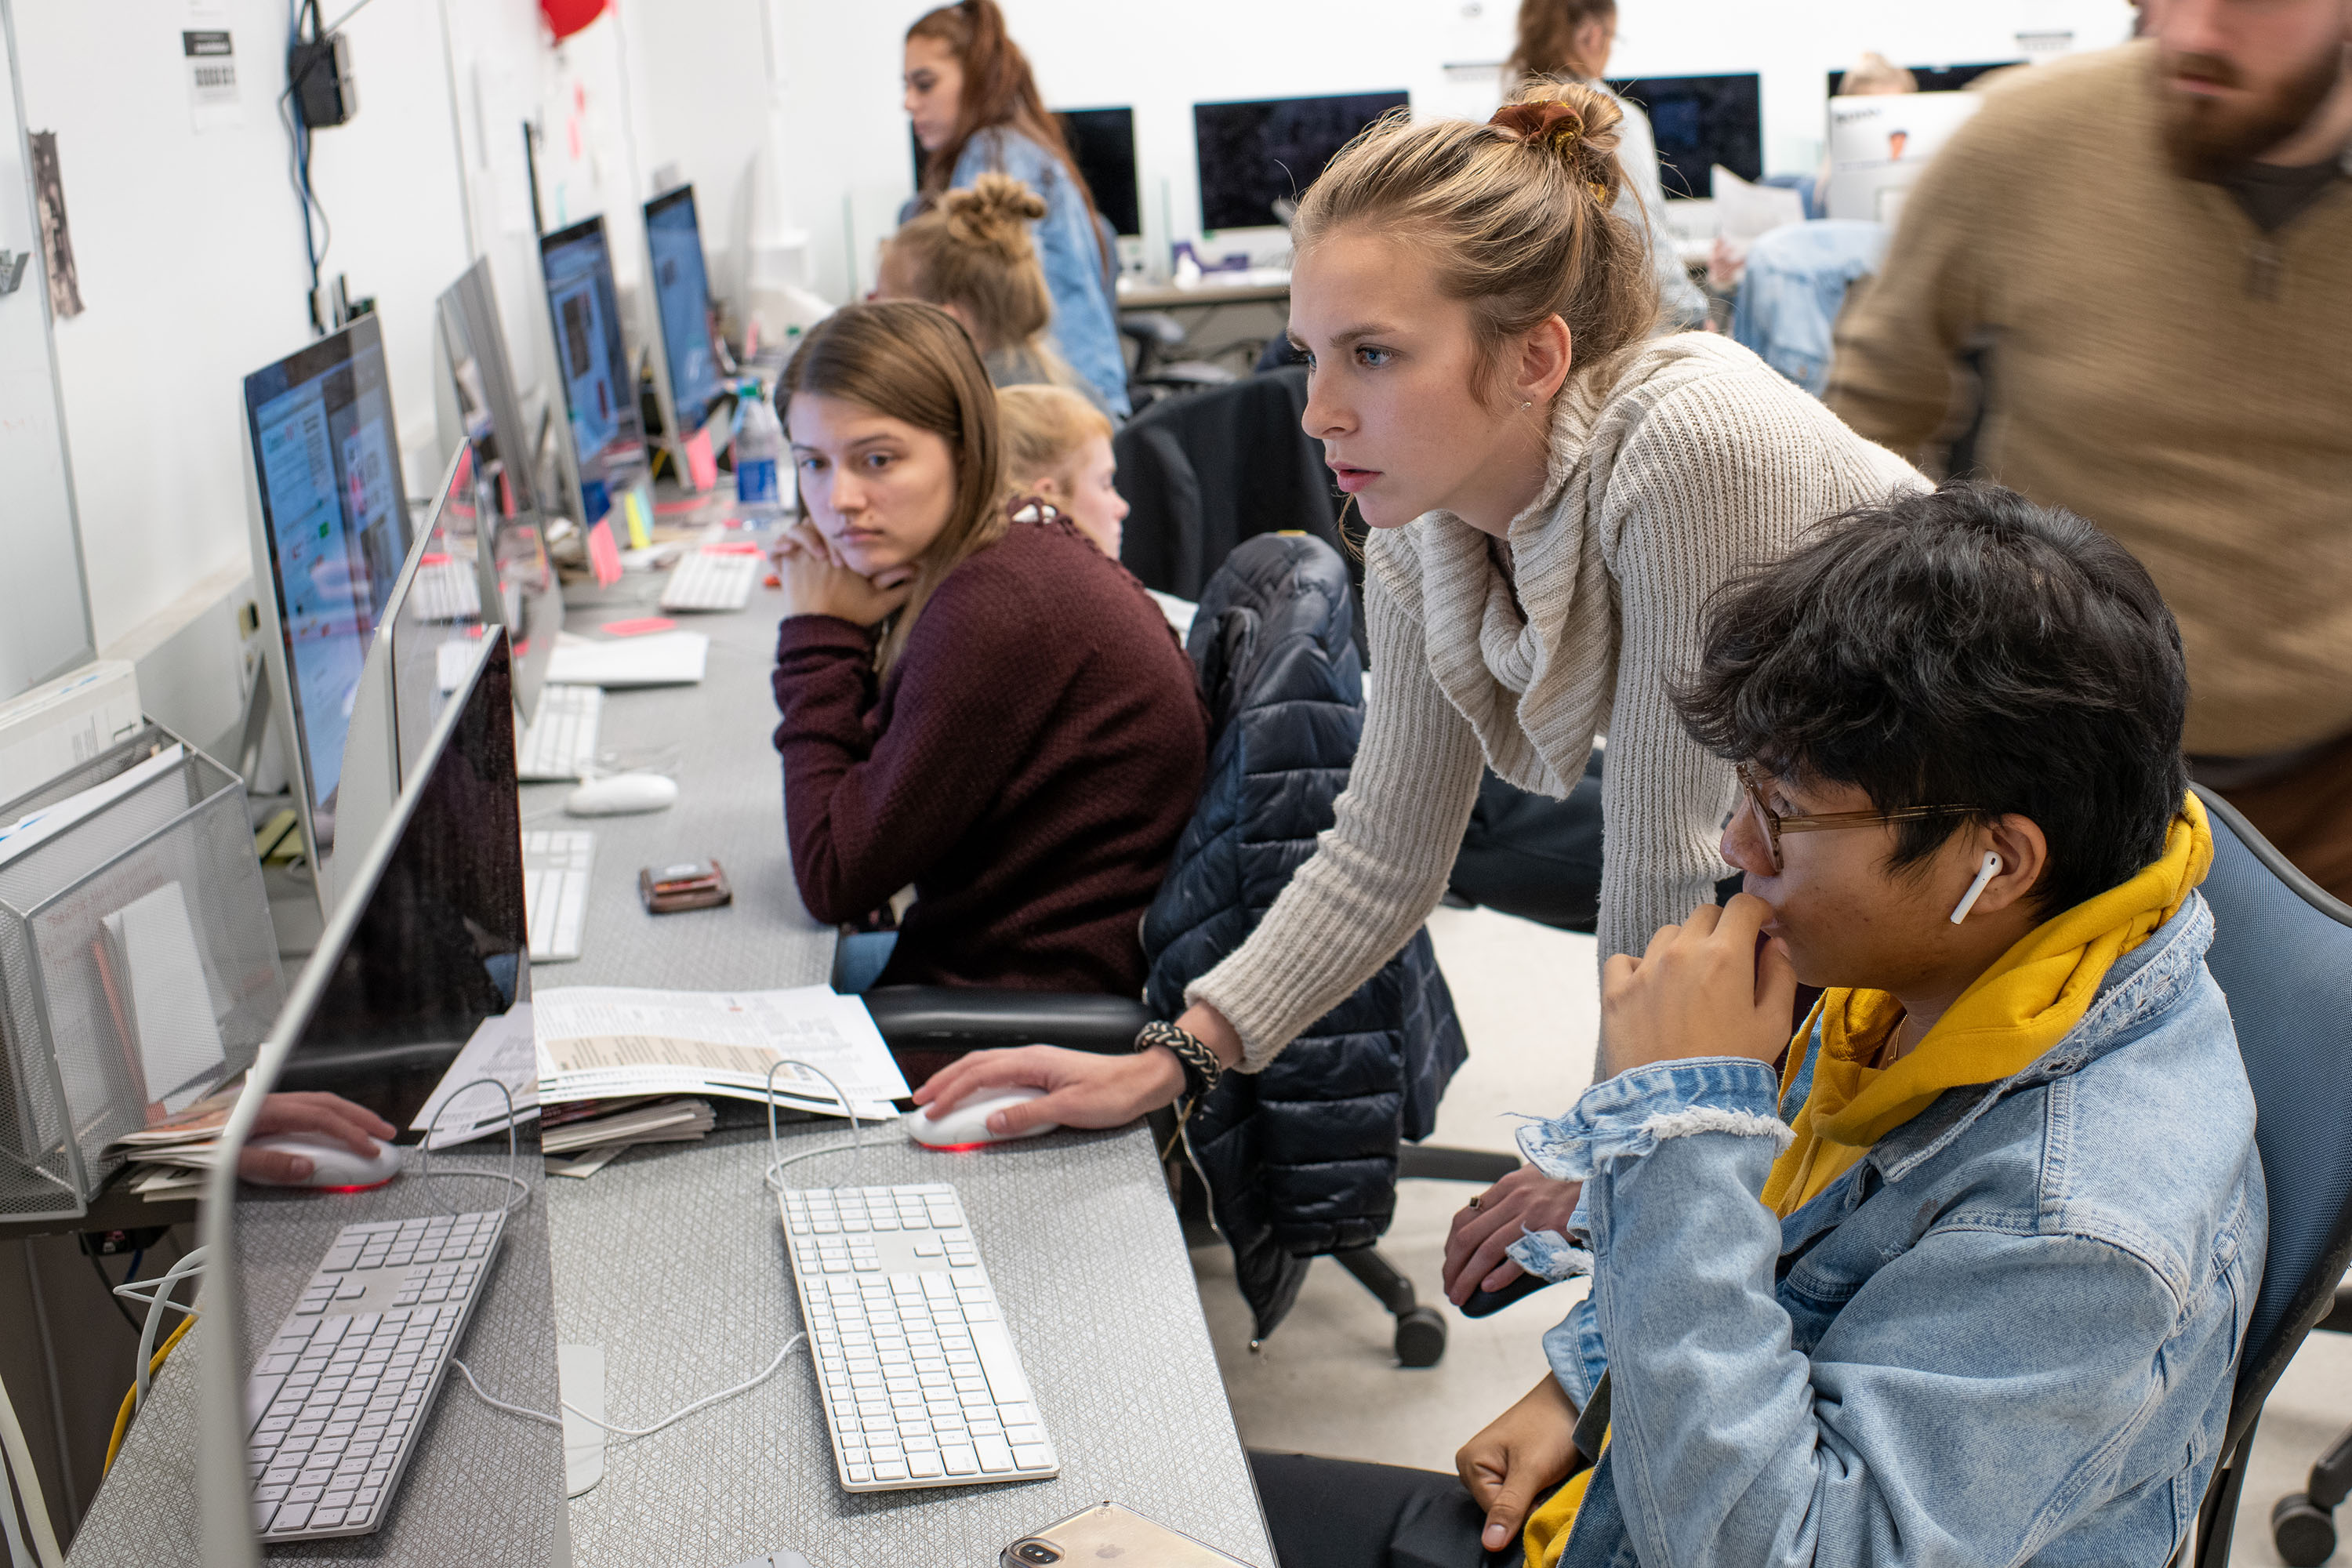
{"points": [[2004, 1022]]}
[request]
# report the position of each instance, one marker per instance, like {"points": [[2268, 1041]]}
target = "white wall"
{"points": [[190, 246], [841, 64]]}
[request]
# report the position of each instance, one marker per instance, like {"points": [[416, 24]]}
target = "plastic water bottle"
{"points": [[759, 463]]}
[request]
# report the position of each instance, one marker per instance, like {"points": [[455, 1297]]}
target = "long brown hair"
{"points": [[1547, 42], [1514, 215], [909, 361]]}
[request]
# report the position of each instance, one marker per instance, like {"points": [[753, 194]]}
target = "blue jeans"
{"points": [[858, 960]]}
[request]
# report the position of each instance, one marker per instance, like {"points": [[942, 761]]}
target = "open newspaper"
{"points": [[619, 1044]]}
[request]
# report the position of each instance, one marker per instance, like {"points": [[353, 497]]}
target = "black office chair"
{"points": [[928, 1027], [2283, 955]]}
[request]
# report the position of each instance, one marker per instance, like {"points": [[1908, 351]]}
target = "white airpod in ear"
{"points": [[1985, 874]]}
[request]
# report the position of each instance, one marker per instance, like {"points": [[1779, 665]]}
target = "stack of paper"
{"points": [[170, 1157], [608, 1043], [596, 1132]]}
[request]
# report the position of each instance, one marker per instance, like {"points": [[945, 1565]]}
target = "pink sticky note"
{"points": [[603, 556], [642, 627], [701, 462]]}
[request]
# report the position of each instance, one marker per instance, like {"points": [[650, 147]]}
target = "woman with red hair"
{"points": [[976, 109]]}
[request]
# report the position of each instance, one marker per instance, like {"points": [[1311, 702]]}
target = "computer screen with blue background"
{"points": [[682, 297], [337, 524], [600, 394], [1255, 154]]}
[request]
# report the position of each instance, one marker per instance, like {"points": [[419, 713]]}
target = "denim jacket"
{"points": [[1086, 321], [1794, 286], [2007, 1335]]}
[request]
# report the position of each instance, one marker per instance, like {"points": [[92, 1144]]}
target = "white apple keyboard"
{"points": [[921, 1385], [561, 741], [334, 1406], [555, 868], [715, 577]]}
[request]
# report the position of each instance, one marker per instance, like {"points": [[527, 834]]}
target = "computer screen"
{"points": [[682, 300], [483, 376], [1102, 145], [1880, 143], [331, 532], [1934, 78], [1700, 121], [607, 437], [1255, 154]]}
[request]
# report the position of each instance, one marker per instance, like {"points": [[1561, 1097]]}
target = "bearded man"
{"points": [[2146, 253]]}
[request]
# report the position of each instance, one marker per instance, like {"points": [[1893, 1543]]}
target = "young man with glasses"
{"points": [[1963, 1280]]}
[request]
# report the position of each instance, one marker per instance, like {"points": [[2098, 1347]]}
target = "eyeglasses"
{"points": [[1775, 824]]}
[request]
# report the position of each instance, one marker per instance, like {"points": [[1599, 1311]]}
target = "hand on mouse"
{"points": [[328, 1115], [1082, 1089]]}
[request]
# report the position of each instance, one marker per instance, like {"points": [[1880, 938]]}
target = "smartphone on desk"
{"points": [[691, 885], [1107, 1530]]}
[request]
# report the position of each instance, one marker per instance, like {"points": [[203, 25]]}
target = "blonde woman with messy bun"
{"points": [[972, 256], [1553, 495]]}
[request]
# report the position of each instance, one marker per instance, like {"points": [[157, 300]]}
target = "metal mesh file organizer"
{"points": [[138, 964]]}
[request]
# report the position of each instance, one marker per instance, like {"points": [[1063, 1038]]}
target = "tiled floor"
{"points": [[1326, 1382]]}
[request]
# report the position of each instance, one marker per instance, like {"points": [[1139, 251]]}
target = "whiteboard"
{"points": [[43, 609]]}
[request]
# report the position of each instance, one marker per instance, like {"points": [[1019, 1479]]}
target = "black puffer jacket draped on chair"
{"points": [[1300, 1159]]}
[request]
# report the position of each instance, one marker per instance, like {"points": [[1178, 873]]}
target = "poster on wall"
{"points": [[214, 101], [57, 240]]}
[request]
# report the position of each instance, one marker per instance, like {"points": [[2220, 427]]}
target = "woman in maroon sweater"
{"points": [[988, 710]]}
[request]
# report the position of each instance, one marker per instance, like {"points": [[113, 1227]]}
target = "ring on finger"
{"points": [[1473, 1202]]}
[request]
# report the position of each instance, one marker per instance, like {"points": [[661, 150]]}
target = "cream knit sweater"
{"points": [[1694, 461]]}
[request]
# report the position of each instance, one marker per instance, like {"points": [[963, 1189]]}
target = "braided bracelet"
{"points": [[1201, 1068]]}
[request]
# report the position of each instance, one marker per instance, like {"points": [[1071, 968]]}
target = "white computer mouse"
{"points": [[966, 1127], [333, 1164], [621, 794]]}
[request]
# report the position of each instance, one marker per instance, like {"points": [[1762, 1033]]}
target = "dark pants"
{"points": [[1337, 1513]]}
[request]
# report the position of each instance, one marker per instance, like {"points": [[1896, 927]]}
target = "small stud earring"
{"points": [[1525, 406]]}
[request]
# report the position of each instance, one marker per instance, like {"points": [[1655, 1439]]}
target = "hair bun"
{"points": [[1574, 123], [995, 212]]}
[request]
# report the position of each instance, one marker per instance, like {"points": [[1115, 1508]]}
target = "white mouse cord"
{"points": [[753, 1382], [155, 1295], [425, 1172], [856, 1143]]}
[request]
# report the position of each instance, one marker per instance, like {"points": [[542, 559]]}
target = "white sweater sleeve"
{"points": [[1377, 870], [1713, 484]]}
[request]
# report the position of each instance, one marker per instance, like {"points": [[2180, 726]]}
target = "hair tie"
{"points": [[1554, 124]]}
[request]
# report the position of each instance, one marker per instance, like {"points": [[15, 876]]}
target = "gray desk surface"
{"points": [[672, 1260], [1204, 296], [672, 1257], [479, 1481]]}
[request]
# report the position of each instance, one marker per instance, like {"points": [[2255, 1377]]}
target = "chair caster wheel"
{"points": [[1419, 1336], [2304, 1534]]}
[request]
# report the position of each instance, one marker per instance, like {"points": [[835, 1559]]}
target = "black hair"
{"points": [[1966, 648]]}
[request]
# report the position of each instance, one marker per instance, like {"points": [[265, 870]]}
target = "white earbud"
{"points": [[1985, 874]]}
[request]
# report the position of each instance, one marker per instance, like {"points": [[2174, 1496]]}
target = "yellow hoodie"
{"points": [[2003, 1022]]}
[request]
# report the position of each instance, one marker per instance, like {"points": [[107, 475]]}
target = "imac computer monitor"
{"points": [[1934, 78], [1881, 142], [330, 533], [608, 441], [427, 946], [1253, 155], [1102, 145], [1700, 121], [682, 305], [490, 415]]}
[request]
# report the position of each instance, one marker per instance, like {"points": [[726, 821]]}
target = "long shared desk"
{"points": [[671, 1260]]}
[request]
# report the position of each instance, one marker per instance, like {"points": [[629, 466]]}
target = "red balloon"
{"points": [[565, 17]]}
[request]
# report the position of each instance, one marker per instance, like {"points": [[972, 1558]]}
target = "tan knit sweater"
{"points": [[2154, 363], [1694, 461]]}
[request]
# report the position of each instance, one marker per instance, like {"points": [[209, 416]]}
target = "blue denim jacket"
{"points": [[2005, 1336], [1086, 321], [1792, 289]]}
